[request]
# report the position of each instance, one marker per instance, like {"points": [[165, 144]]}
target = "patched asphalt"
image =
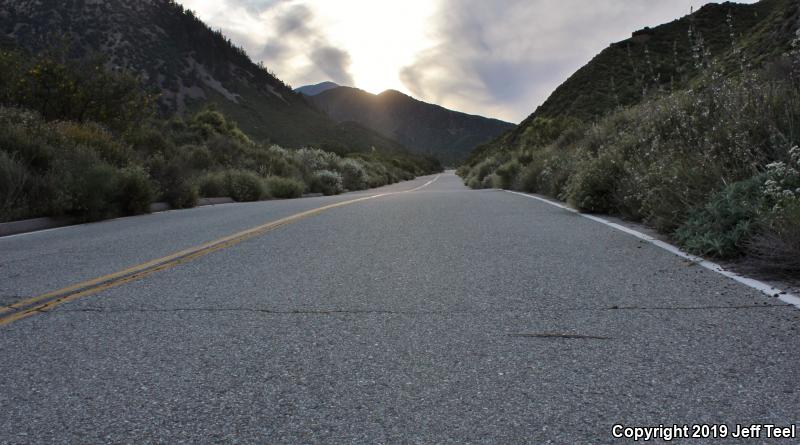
{"points": [[443, 315]]}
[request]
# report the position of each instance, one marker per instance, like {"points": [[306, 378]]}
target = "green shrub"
{"points": [[135, 191], [212, 185], [593, 186], [354, 176], [558, 168], [182, 194], [724, 224], [375, 180], [474, 183], [327, 183], [312, 160], [507, 174], [491, 181], [244, 186], [284, 188], [484, 168], [774, 247], [14, 181], [199, 157], [26, 137], [97, 138], [528, 178], [90, 188]]}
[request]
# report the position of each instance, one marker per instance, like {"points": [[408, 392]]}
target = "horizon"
{"points": [[499, 62]]}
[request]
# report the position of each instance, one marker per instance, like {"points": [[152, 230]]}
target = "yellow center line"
{"points": [[47, 301]]}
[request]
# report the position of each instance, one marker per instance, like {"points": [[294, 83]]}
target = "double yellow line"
{"points": [[45, 302]]}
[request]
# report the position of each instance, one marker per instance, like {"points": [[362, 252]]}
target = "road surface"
{"points": [[438, 315]]}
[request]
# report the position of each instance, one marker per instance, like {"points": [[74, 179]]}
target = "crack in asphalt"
{"points": [[401, 312], [686, 308], [560, 336]]}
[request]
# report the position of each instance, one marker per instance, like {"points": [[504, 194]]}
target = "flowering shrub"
{"points": [[782, 185], [708, 165]]}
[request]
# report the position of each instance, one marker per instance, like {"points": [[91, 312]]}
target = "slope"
{"points": [[313, 90], [426, 128], [661, 59], [187, 63]]}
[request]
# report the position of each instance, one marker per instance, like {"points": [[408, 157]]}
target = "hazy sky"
{"points": [[498, 58]]}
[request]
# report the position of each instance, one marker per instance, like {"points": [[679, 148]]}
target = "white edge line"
{"points": [[714, 267]]}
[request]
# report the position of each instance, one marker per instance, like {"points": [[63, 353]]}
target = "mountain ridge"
{"points": [[190, 65], [422, 127], [660, 58], [313, 90]]}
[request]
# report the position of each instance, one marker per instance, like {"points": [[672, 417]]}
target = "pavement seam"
{"points": [[391, 312], [760, 286]]}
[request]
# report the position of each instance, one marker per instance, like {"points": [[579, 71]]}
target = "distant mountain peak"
{"points": [[423, 127], [392, 93], [313, 90], [189, 65]]}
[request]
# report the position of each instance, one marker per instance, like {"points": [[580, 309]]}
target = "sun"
{"points": [[381, 37]]}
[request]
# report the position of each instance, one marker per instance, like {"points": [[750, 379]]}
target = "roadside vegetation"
{"points": [[78, 140], [716, 165]]}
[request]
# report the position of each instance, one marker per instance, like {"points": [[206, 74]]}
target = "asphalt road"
{"points": [[442, 315]]}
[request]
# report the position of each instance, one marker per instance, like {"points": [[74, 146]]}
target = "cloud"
{"points": [[283, 34], [334, 62], [504, 57], [500, 58]]}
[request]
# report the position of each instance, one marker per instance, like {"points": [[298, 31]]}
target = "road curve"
{"points": [[438, 315]]}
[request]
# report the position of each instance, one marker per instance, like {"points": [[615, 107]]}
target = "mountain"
{"points": [[313, 90], [430, 129], [187, 63], [662, 59]]}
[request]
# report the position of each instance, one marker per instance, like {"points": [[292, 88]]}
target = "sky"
{"points": [[496, 58]]}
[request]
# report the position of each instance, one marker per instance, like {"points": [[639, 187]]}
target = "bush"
{"points": [[135, 191], [212, 185], [723, 225], [312, 160], [774, 247], [284, 188], [200, 158], [244, 186], [354, 176], [490, 181], [100, 140], [90, 188], [375, 180], [14, 179], [378, 175], [558, 167], [507, 174], [182, 195], [528, 178], [593, 187], [327, 183], [484, 169]]}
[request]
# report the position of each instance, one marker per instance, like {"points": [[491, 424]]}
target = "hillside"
{"points": [[661, 59], [710, 158], [422, 127], [187, 63], [313, 90]]}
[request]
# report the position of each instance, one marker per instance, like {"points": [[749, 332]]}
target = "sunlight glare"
{"points": [[381, 37]]}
